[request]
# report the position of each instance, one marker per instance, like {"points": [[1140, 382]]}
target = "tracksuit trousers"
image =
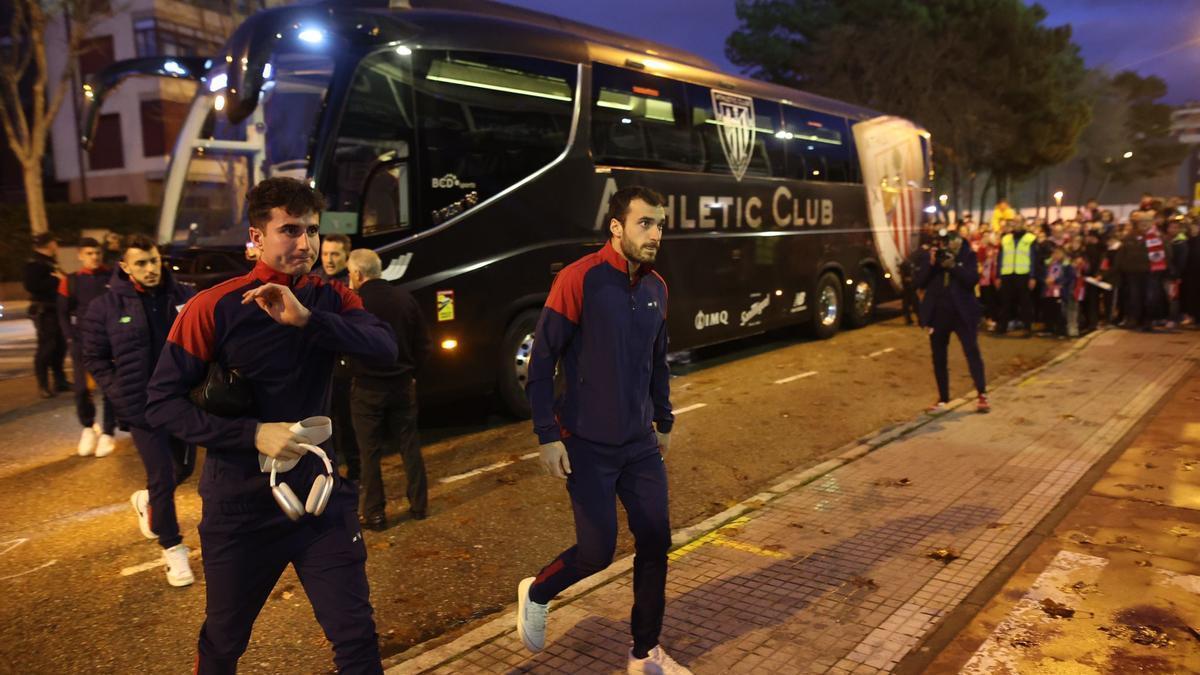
{"points": [[246, 552], [85, 408], [168, 461], [599, 475], [939, 341]]}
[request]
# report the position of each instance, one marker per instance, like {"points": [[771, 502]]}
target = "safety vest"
{"points": [[1016, 255]]}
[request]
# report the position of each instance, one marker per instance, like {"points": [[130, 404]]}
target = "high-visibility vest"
{"points": [[1016, 255]]}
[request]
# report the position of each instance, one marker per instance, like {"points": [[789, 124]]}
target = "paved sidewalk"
{"points": [[835, 574]]}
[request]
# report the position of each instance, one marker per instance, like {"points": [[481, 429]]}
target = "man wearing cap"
{"points": [[42, 276]]}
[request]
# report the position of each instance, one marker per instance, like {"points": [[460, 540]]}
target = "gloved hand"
{"points": [[554, 459], [664, 441]]}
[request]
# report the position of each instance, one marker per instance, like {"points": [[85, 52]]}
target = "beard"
{"points": [[639, 254]]}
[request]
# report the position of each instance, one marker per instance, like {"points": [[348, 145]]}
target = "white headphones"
{"points": [[318, 494]]}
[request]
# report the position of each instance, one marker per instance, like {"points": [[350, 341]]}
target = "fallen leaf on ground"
{"points": [[946, 555], [1056, 609]]}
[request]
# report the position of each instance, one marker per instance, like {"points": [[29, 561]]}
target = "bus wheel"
{"points": [[827, 314], [515, 352], [861, 300]]}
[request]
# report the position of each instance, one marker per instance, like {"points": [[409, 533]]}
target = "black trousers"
{"points": [[85, 408], [51, 348], [1134, 300], [1016, 301], [168, 461], [908, 300], [385, 420], [939, 342], [345, 443], [244, 555]]}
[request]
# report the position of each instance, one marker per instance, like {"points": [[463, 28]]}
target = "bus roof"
{"points": [[556, 37]]}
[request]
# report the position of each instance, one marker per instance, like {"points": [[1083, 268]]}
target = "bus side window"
{"points": [[818, 148], [375, 130], [767, 150], [639, 120]]}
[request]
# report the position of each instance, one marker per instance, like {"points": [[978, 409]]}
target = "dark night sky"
{"points": [[1153, 37]]}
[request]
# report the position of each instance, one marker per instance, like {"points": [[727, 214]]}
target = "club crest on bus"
{"points": [[735, 117]]}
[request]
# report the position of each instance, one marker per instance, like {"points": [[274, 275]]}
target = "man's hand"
{"points": [[554, 459], [949, 263], [664, 442], [59, 275], [280, 303], [276, 439], [1032, 284]]}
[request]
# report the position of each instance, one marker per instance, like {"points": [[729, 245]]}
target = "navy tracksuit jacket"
{"points": [[950, 306], [247, 540], [75, 292], [610, 334], [118, 347]]}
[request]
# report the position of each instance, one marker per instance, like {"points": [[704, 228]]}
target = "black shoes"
{"points": [[45, 393], [376, 523], [418, 515], [62, 386]]}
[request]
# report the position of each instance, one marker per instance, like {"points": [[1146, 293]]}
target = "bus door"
{"points": [[893, 156]]}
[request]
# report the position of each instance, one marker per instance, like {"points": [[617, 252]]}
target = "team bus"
{"points": [[474, 146]]}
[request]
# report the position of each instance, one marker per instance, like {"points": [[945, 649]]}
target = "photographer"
{"points": [[948, 275]]}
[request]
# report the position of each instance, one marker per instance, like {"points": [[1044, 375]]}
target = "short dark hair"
{"points": [[294, 196], [43, 240], [89, 242], [139, 241], [339, 238], [618, 204]]}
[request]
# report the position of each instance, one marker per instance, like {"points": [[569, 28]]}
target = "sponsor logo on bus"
{"points": [[445, 306], [753, 316], [451, 181], [798, 302], [734, 114], [710, 319]]}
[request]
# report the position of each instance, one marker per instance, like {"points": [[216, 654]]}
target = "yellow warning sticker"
{"points": [[445, 305]]}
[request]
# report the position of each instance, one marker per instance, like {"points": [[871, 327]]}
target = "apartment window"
{"points": [[155, 37], [161, 122], [108, 152], [94, 55]]}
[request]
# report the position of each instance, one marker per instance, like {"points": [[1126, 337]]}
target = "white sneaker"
{"points": [[531, 618], [87, 442], [656, 663], [141, 506], [179, 571], [105, 446]]}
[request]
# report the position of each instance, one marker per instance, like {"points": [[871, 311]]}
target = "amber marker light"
{"points": [[449, 344]]}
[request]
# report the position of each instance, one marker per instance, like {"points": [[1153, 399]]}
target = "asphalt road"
{"points": [[82, 593]]}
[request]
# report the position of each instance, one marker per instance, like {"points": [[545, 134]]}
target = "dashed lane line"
{"points": [[694, 406], [881, 352], [28, 571], [793, 378]]}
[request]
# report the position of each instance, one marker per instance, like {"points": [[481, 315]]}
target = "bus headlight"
{"points": [[449, 344]]}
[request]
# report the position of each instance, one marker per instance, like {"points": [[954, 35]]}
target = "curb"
{"points": [[420, 658]]}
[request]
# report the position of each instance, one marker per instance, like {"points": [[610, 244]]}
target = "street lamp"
{"points": [[942, 199], [1058, 204], [1128, 154]]}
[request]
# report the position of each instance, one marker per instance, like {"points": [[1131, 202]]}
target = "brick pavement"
{"points": [[833, 574]]}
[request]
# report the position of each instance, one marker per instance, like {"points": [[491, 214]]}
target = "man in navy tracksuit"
{"points": [[605, 321], [948, 274], [278, 327], [75, 292], [123, 334]]}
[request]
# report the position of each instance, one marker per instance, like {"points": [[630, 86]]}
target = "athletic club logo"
{"points": [[735, 117]]}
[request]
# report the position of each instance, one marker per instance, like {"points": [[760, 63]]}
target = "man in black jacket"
{"points": [[335, 252], [384, 397], [948, 274], [75, 292], [42, 276]]}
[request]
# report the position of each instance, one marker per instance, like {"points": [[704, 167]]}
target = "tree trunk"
{"points": [[983, 197], [971, 197], [35, 200], [955, 181]]}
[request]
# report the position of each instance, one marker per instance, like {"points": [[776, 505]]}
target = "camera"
{"points": [[942, 253]]}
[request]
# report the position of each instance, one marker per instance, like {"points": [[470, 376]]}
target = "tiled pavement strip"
{"points": [[829, 570]]}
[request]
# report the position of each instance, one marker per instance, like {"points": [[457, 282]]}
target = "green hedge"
{"points": [[67, 221]]}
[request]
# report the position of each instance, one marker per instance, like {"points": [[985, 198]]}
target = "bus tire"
{"points": [[516, 349], [829, 303], [860, 300]]}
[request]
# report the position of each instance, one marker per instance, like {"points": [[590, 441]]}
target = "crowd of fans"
{"points": [[1087, 271]]}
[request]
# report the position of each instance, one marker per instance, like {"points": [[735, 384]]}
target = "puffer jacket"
{"points": [[117, 345]]}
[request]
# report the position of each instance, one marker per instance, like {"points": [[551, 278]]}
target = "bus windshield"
{"points": [[217, 162]]}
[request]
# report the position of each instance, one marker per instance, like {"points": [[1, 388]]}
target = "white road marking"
{"points": [[475, 472], [879, 353], [11, 544], [793, 378], [694, 406], [32, 569], [144, 567]]}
